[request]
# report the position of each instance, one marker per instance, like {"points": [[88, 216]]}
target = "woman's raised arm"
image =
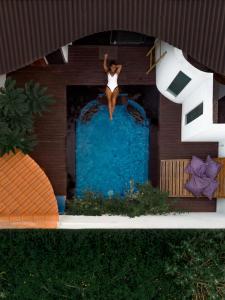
{"points": [[118, 69], [105, 67]]}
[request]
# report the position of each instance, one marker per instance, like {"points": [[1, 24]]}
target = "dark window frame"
{"points": [[180, 81], [196, 112]]}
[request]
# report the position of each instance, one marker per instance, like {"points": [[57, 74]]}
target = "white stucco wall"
{"points": [[198, 90], [201, 94], [167, 69], [64, 50]]}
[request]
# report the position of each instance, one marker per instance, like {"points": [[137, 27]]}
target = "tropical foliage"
{"points": [[112, 264], [18, 108], [140, 199]]}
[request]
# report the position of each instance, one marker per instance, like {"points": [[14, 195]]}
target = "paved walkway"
{"points": [[178, 221]]}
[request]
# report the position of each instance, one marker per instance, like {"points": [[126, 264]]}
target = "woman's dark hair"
{"points": [[112, 62]]}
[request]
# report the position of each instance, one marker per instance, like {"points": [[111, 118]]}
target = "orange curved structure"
{"points": [[27, 199]]}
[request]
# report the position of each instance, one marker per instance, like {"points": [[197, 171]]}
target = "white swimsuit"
{"points": [[112, 81]]}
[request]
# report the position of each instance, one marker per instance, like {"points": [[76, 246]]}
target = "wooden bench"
{"points": [[173, 178]]}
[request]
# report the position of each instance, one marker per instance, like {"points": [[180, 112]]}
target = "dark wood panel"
{"points": [[221, 110], [50, 128], [55, 57], [32, 29], [194, 204], [171, 147], [85, 68]]}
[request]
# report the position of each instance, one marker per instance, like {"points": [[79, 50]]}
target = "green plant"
{"points": [[196, 266], [112, 264], [18, 107], [139, 200]]}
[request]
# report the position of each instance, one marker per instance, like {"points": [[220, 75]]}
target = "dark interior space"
{"points": [[116, 37], [79, 96], [221, 110]]}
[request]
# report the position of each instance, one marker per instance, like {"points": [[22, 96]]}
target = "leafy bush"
{"points": [[140, 200], [197, 266], [112, 264], [18, 107]]}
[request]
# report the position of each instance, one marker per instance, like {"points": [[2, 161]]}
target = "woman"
{"points": [[112, 89]]}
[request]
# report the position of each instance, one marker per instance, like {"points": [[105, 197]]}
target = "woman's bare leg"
{"points": [[114, 98], [109, 98]]}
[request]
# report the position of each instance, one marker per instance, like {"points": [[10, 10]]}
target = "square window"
{"points": [[178, 84], [194, 113]]}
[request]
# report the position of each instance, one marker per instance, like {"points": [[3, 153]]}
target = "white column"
{"points": [[221, 149], [65, 53], [2, 80], [220, 203]]}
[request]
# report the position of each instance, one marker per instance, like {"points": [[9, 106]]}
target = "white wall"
{"points": [[198, 90], [169, 67], [2, 80], [202, 94], [65, 52]]}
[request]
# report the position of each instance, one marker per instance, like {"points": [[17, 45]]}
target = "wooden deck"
{"points": [[173, 178]]}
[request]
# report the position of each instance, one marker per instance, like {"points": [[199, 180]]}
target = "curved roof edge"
{"points": [[31, 29]]}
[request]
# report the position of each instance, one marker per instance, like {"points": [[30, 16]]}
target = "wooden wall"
{"points": [[84, 68], [171, 147], [50, 153]]}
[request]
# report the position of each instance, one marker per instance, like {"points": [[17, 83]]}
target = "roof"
{"points": [[30, 29]]}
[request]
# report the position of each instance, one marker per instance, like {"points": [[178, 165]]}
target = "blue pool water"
{"points": [[111, 153]]}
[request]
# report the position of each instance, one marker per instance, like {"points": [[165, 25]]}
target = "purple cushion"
{"points": [[196, 166], [212, 167], [210, 189], [196, 185]]}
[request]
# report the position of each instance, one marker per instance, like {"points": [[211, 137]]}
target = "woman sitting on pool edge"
{"points": [[112, 88]]}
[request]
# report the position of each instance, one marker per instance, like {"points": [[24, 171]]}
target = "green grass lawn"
{"points": [[107, 264]]}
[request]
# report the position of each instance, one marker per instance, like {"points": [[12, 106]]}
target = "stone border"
{"points": [[170, 221]]}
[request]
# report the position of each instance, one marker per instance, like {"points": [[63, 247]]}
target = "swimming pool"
{"points": [[109, 154]]}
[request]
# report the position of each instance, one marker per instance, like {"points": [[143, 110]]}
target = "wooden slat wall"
{"points": [[32, 29], [171, 147], [220, 193], [84, 68], [50, 153], [173, 178], [52, 128]]}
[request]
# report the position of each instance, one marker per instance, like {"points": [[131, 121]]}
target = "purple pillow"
{"points": [[196, 166], [196, 185], [212, 167], [210, 189]]}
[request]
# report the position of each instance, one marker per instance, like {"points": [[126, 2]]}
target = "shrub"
{"points": [[112, 264], [142, 199], [18, 107], [196, 266]]}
